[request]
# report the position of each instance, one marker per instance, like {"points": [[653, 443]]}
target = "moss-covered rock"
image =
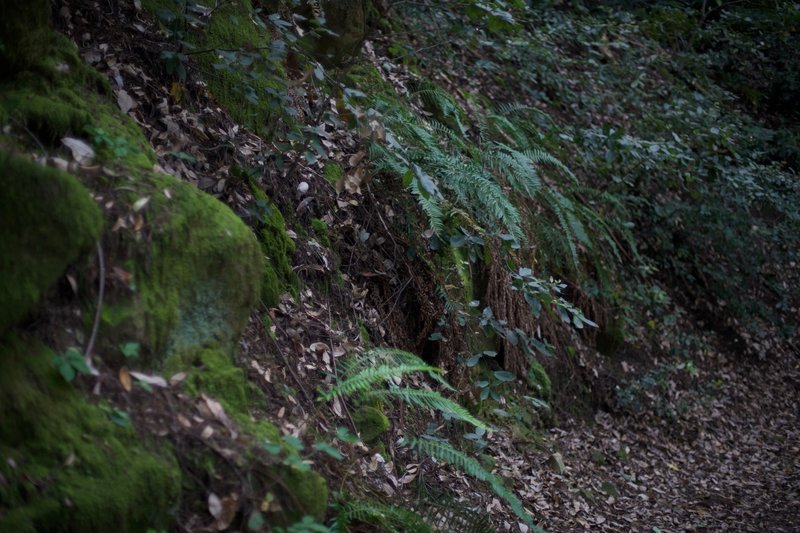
{"points": [[66, 466], [305, 494], [47, 220], [200, 277], [371, 422], [49, 97]]}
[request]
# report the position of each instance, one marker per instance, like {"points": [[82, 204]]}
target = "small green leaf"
{"points": [[503, 375], [120, 418], [324, 447], [256, 521], [130, 349]]}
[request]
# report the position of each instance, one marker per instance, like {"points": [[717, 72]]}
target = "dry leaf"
{"points": [[81, 151], [214, 505], [124, 100], [156, 381], [125, 379]]}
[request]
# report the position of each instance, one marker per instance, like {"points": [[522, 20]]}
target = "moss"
{"points": [[50, 97], [245, 91], [321, 230], [66, 467], [305, 493], [611, 337], [199, 278], [371, 422], [333, 172], [539, 381], [368, 79], [24, 32], [347, 19], [363, 332], [47, 220], [277, 246], [211, 371]]}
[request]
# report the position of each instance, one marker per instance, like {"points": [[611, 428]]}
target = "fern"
{"points": [[390, 356], [389, 518], [428, 399], [444, 451], [367, 378]]}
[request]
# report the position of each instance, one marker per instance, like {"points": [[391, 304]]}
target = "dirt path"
{"points": [[731, 462]]}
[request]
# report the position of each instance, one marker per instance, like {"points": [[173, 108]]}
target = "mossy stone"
{"points": [[200, 276], [66, 466], [47, 220], [371, 422]]}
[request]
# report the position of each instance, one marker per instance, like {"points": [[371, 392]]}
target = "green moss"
{"points": [[368, 79], [24, 32], [246, 86], [47, 220], [333, 172], [371, 422], [363, 332], [200, 277], [211, 371], [304, 493], [65, 466], [539, 381], [321, 231], [277, 246], [49, 98], [347, 19]]}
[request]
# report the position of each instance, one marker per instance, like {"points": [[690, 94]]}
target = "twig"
{"points": [[95, 326]]}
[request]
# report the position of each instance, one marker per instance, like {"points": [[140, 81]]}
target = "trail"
{"points": [[729, 463]]}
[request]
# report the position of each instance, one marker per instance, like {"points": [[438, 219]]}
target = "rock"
{"points": [[47, 221]]}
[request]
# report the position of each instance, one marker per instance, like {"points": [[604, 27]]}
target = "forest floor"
{"points": [[727, 458], [730, 462]]}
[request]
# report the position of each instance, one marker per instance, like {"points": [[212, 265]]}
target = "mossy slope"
{"points": [[65, 466]]}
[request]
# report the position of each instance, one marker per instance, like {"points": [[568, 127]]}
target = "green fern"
{"points": [[367, 378], [390, 357], [428, 399], [389, 518], [444, 451]]}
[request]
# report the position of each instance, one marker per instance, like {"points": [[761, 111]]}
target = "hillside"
{"points": [[376, 265]]}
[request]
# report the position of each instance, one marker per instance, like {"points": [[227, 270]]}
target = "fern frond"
{"points": [[389, 518], [430, 207], [389, 357], [428, 399], [364, 380], [445, 452]]}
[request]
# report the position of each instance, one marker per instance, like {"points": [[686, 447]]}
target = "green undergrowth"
{"points": [[234, 54], [66, 466], [278, 277]]}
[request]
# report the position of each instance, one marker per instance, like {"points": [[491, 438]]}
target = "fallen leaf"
{"points": [[125, 379], [214, 505], [156, 381], [81, 151], [124, 100]]}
